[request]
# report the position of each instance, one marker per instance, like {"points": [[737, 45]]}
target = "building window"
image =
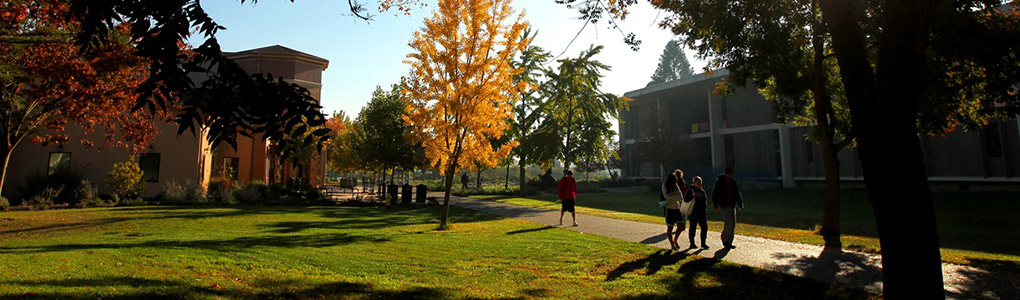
{"points": [[230, 165], [728, 146], [58, 160], [149, 163], [993, 140]]}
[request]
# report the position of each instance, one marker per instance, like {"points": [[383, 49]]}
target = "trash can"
{"points": [[392, 191], [423, 191], [405, 193]]}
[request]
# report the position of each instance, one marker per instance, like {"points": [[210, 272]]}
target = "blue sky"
{"points": [[365, 54]]}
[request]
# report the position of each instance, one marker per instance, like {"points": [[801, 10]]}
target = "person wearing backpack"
{"points": [[671, 192], [697, 215]]}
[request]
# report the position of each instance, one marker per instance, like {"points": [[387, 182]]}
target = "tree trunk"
{"points": [[506, 179], [6, 153], [446, 197], [522, 170], [822, 111], [478, 179], [883, 107]]}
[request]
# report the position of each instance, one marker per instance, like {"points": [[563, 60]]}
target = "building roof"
{"points": [[277, 50], [696, 78]]}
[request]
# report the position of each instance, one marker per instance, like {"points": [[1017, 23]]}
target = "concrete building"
{"points": [[691, 128], [185, 157]]}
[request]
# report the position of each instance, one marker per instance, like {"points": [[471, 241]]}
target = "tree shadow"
{"points": [[987, 279], [185, 289], [240, 244], [833, 265], [652, 264], [707, 278], [530, 230]]}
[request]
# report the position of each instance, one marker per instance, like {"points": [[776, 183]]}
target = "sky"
{"points": [[364, 54]]}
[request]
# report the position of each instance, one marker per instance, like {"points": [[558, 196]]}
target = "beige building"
{"points": [[185, 157]]}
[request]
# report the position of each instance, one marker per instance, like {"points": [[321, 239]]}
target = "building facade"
{"points": [[186, 157], [682, 124]]}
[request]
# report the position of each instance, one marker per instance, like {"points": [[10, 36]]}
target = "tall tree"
{"points": [[673, 64], [461, 83], [48, 83], [580, 109], [529, 109], [898, 70], [383, 144]]}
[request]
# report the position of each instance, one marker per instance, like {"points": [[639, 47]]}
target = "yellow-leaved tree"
{"points": [[461, 84]]}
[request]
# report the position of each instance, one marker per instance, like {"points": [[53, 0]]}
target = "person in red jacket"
{"points": [[568, 193]]}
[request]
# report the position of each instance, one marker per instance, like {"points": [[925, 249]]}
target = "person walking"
{"points": [[726, 195], [567, 190], [698, 216], [464, 180], [671, 192]]}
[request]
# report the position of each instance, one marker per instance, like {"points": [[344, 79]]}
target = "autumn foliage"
{"points": [[461, 83], [48, 83]]}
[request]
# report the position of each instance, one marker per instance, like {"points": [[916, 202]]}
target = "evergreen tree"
{"points": [[673, 64]]}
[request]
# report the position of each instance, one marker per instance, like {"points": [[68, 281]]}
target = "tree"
{"points": [[579, 108], [47, 83], [461, 84], [383, 145], [673, 64], [344, 138], [899, 71], [529, 109]]}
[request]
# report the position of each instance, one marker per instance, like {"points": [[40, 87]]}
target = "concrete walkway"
{"points": [[854, 269]]}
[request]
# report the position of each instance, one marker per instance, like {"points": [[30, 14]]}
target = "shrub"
{"points": [[131, 201], [252, 193], [43, 200], [4, 204], [125, 179], [176, 193], [221, 191], [64, 177], [87, 195]]}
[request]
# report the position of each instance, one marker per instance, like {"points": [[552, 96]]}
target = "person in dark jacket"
{"points": [[726, 195], [464, 180], [567, 190], [698, 215]]}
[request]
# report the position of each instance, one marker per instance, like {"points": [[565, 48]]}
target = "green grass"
{"points": [[975, 228], [351, 253]]}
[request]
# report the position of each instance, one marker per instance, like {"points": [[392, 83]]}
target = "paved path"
{"points": [[855, 269]]}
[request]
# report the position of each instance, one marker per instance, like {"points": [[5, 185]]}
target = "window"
{"points": [[993, 141], [58, 160], [230, 167], [149, 163], [728, 147]]}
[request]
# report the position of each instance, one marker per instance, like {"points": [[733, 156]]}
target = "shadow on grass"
{"points": [[707, 278], [530, 230], [183, 289], [240, 244], [651, 264]]}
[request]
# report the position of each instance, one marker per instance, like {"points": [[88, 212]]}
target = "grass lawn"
{"points": [[975, 228], [351, 253]]}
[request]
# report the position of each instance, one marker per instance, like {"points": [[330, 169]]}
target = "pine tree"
{"points": [[673, 64]]}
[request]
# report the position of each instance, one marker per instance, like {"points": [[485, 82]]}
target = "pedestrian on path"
{"points": [[464, 180], [680, 181], [726, 195], [567, 190], [671, 191], [698, 216]]}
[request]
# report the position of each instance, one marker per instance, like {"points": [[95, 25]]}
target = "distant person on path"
{"points": [[698, 217], [726, 195], [671, 191], [567, 189], [680, 181], [464, 180]]}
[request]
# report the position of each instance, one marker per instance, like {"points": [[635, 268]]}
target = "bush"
{"points": [[125, 179], [251, 193], [64, 178], [43, 200], [176, 193], [221, 191], [86, 195], [131, 201], [4, 204]]}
